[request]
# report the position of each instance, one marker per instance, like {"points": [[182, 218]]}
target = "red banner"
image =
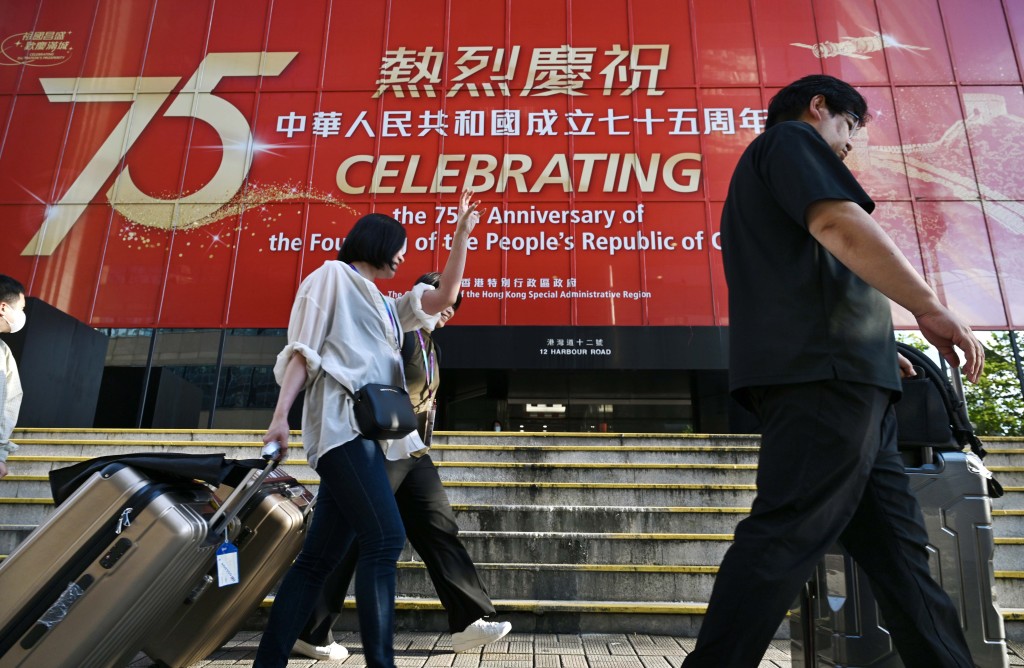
{"points": [[185, 164]]}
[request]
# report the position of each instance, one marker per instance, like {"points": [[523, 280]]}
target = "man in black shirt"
{"points": [[812, 353]]}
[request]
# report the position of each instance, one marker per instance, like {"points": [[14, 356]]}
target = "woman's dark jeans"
{"points": [[354, 501]]}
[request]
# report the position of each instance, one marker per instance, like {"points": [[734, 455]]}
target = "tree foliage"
{"points": [[996, 402]]}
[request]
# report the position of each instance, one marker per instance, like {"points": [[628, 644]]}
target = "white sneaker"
{"points": [[332, 652], [478, 634]]}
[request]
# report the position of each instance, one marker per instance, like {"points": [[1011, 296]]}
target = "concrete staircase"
{"points": [[571, 532]]}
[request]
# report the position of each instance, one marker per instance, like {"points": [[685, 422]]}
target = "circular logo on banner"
{"points": [[39, 49]]}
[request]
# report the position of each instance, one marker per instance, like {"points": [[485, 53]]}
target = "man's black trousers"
{"points": [[828, 470]]}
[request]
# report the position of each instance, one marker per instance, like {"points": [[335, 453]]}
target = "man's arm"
{"points": [[856, 240]]}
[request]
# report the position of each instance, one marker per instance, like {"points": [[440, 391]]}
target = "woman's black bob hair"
{"points": [[374, 239]]}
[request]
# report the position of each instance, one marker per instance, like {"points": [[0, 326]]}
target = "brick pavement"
{"points": [[517, 650]]}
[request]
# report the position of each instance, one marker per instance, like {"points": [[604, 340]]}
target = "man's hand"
{"points": [[906, 367], [3, 469], [947, 332]]}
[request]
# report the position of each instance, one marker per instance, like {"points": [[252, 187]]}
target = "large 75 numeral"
{"points": [[147, 95]]}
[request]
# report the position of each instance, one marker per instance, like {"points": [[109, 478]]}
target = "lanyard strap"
{"points": [[394, 322], [428, 362]]}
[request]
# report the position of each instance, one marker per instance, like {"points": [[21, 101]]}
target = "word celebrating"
{"points": [[516, 122], [560, 70], [483, 172]]}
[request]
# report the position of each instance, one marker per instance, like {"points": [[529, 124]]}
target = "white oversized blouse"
{"points": [[350, 335]]}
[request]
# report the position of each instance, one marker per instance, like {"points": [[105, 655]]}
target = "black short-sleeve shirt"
{"points": [[796, 314]]}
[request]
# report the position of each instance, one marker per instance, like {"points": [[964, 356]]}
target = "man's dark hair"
{"points": [[374, 239], [10, 289], [791, 102], [433, 278]]}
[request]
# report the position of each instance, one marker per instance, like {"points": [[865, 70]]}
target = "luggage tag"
{"points": [[227, 563]]}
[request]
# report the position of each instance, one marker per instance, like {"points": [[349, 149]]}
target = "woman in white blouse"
{"points": [[343, 333]]}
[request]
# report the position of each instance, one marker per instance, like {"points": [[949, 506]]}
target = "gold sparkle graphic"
{"points": [[220, 229]]}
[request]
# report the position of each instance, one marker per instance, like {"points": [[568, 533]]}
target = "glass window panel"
{"points": [[980, 41], [915, 43], [958, 261], [1006, 229], [934, 143], [995, 127], [725, 42]]}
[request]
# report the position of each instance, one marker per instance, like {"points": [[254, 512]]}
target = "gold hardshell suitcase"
{"points": [[88, 585], [269, 535]]}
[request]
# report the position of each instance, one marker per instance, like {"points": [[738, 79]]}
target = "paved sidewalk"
{"points": [[517, 650]]}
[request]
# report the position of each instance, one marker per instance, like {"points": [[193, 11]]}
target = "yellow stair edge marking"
{"points": [[45, 458], [1009, 541], [523, 605], [558, 485], [84, 458], [584, 568], [483, 465], [504, 434], [97, 430], [595, 448], [255, 443], [440, 447], [472, 507], [597, 485], [599, 435], [599, 465], [595, 535]]}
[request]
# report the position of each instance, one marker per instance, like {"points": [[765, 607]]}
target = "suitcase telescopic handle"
{"points": [[245, 491]]}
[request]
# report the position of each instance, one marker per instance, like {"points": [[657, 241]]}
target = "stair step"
{"points": [[613, 472], [500, 516], [570, 532]]}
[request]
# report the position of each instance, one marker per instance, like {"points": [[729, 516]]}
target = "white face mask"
{"points": [[15, 318]]}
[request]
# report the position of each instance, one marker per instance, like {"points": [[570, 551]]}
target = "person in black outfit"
{"points": [[429, 523], [812, 353]]}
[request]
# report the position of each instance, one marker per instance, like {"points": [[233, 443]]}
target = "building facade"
{"points": [[170, 171]]}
